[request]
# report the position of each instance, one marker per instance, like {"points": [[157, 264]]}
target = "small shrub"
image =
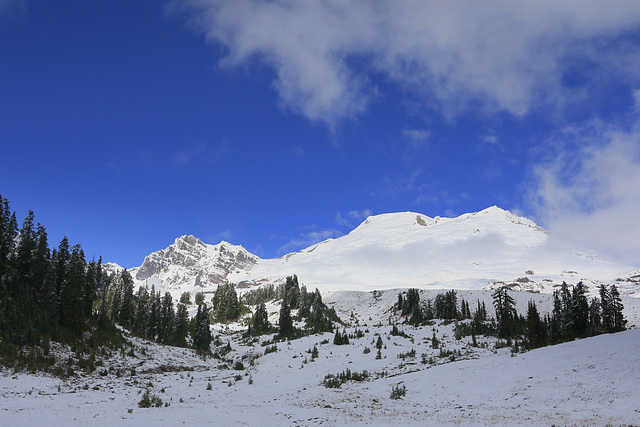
{"points": [[398, 391], [149, 400]]}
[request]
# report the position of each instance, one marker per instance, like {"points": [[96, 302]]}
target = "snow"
{"points": [[588, 382], [407, 249]]}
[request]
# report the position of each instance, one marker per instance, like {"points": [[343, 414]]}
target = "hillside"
{"points": [[594, 381]]}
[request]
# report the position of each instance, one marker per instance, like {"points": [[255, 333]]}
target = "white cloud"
{"points": [[202, 153], [501, 55], [352, 218], [591, 194], [306, 239], [417, 137]]}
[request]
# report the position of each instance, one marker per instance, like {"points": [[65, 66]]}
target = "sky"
{"points": [[278, 124]]}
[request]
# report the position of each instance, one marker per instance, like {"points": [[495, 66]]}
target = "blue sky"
{"points": [[274, 125]]}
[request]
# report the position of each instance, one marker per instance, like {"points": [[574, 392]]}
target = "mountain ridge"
{"points": [[403, 249]]}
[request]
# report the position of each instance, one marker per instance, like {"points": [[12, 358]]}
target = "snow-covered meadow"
{"points": [[595, 381]]}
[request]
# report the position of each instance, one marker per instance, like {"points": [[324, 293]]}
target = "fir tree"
{"points": [[285, 321], [579, 311], [260, 321], [618, 320], [505, 311], [317, 321], [225, 303], [181, 326], [202, 332], [536, 333]]}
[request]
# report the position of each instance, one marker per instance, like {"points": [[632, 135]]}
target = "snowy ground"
{"points": [[594, 381]]}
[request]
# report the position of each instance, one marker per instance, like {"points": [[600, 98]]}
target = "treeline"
{"points": [[146, 314], [45, 294], [573, 315], [316, 315]]}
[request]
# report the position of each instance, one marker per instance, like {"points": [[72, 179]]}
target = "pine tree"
{"points": [[580, 311], [285, 321], [126, 310], [181, 326], [618, 320], [607, 314], [260, 322], [202, 332], [317, 321], [292, 291], [505, 311], [141, 318], [536, 333], [167, 320], [72, 292], [225, 303]]}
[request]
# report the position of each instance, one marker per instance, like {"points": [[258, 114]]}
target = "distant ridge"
{"points": [[488, 248]]}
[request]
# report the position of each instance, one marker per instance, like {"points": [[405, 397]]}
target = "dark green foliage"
{"points": [[185, 298], [202, 333], [225, 303], [292, 292], [181, 326], [318, 320], [199, 298], [341, 338], [260, 321], [579, 311], [446, 306], [149, 400], [259, 295], [46, 296], [285, 322], [270, 349], [335, 381], [398, 391], [506, 315], [536, 331], [379, 342]]}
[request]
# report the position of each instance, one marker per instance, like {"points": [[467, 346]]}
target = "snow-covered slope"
{"points": [[472, 251]]}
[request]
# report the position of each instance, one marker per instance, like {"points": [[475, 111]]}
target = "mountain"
{"points": [[473, 251]]}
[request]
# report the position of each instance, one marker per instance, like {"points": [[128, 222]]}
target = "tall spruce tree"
{"points": [[202, 332], [505, 311], [285, 321]]}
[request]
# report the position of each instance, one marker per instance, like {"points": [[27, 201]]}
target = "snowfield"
{"points": [[405, 249], [594, 381]]}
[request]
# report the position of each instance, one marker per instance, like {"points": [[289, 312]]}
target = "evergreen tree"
{"points": [[285, 321], [185, 298], [225, 303], [317, 321], [126, 310], [141, 319], [580, 311], [181, 326], [618, 320], [505, 311], [72, 292], [202, 332], [536, 333], [595, 323], [607, 314], [167, 320], [260, 321], [154, 314], [292, 292]]}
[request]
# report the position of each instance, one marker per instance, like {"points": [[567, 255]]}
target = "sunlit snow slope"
{"points": [[472, 251]]}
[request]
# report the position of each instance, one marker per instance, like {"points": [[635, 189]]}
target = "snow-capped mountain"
{"points": [[473, 251]]}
